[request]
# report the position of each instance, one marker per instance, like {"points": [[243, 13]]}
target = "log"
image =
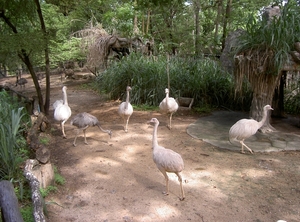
{"points": [[9, 203], [38, 124], [37, 199], [296, 56], [185, 102]]}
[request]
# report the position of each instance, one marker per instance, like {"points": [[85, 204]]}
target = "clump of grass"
{"points": [[58, 179], [45, 192], [202, 79], [27, 213], [12, 123], [44, 140]]}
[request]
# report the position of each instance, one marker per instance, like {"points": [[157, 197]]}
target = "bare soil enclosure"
{"points": [[116, 179]]}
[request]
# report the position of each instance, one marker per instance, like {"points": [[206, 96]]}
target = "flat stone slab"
{"points": [[214, 129]]}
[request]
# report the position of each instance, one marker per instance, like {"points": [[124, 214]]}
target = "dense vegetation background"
{"points": [[187, 39]]}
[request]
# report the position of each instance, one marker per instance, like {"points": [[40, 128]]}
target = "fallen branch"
{"points": [[36, 196]]}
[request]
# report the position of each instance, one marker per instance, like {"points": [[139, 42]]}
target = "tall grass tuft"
{"points": [[11, 155], [202, 79]]}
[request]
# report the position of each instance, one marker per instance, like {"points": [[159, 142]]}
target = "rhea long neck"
{"points": [[167, 98], [65, 98], [127, 99], [264, 118], [154, 138]]}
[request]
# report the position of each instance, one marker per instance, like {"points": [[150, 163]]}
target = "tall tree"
{"points": [[197, 8], [47, 60], [263, 53], [13, 16]]}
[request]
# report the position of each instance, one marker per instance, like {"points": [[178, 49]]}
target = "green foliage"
{"points": [[11, 141], [203, 109], [44, 140], [279, 35], [201, 79], [59, 179], [292, 97], [45, 192], [145, 75], [27, 213]]}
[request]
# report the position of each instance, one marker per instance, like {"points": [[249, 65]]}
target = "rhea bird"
{"points": [[245, 128], [168, 106], [166, 160], [62, 111], [125, 109], [83, 121], [21, 82]]}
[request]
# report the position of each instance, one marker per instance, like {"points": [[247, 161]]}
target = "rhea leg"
{"points": [[63, 128], [85, 137], [74, 143], [84, 129], [181, 186], [126, 125], [170, 121], [167, 181], [243, 144]]}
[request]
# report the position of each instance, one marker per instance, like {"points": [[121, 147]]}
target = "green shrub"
{"points": [[203, 79], [12, 142]]}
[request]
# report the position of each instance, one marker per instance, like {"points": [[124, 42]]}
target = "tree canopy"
{"points": [[184, 28]]}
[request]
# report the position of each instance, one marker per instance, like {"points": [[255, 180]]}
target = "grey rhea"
{"points": [[21, 82], [245, 128], [62, 111], [168, 106], [83, 121], [125, 109], [166, 160]]}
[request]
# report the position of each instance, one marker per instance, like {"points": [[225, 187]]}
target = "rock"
{"points": [[42, 155], [185, 102], [296, 56], [44, 173]]}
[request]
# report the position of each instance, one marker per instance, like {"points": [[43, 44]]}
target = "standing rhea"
{"points": [[245, 128], [126, 110], [166, 160], [21, 82], [62, 111], [168, 106], [83, 121]]}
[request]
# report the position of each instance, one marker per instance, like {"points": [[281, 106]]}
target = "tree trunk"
{"points": [[262, 96], [37, 200], [25, 58], [23, 55], [278, 100], [197, 27], [226, 18], [9, 203], [217, 22], [47, 59], [148, 21], [135, 20]]}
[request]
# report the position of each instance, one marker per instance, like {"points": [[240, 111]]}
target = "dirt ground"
{"points": [[115, 179]]}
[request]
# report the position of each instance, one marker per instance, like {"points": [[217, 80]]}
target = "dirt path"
{"points": [[116, 179]]}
